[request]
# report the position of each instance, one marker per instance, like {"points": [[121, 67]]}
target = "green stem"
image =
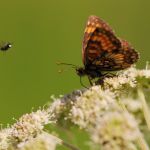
{"points": [[146, 110]]}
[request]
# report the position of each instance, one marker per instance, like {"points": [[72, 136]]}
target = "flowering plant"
{"points": [[114, 116]]}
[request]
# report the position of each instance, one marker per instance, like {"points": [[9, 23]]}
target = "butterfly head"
{"points": [[81, 71]]}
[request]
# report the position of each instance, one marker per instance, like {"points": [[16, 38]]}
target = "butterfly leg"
{"points": [[90, 80], [82, 83]]}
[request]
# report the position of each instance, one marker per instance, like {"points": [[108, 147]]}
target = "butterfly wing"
{"points": [[94, 37], [103, 50]]}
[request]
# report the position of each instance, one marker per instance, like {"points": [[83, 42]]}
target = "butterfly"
{"points": [[4, 46], [103, 51]]}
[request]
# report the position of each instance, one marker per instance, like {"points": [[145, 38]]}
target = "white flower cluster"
{"points": [[5, 135], [115, 131], [43, 141], [105, 112], [27, 127], [30, 125], [90, 105], [128, 77], [98, 111]]}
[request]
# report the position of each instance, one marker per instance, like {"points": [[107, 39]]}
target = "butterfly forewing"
{"points": [[93, 23], [103, 50]]}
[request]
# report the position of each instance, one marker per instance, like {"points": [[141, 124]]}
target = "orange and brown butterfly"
{"points": [[102, 50]]}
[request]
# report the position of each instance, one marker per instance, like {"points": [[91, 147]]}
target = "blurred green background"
{"points": [[47, 31]]}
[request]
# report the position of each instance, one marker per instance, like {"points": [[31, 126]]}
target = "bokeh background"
{"points": [[47, 31]]}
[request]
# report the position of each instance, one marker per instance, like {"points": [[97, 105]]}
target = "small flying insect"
{"points": [[4, 46]]}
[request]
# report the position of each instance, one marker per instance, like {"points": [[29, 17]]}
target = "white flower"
{"points": [[100, 110], [30, 125], [115, 130], [127, 77], [43, 141], [144, 73], [5, 138], [92, 103], [56, 107], [122, 78], [132, 105]]}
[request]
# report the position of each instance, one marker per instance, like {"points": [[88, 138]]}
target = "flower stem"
{"points": [[146, 110]]}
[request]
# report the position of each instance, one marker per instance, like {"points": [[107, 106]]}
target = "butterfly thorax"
{"points": [[91, 72]]}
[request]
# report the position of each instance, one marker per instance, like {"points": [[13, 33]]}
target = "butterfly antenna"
{"points": [[62, 70], [60, 63]]}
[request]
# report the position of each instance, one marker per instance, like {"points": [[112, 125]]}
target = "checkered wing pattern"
{"points": [[103, 50]]}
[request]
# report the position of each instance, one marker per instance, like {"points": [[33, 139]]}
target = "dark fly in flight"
{"points": [[4, 46]]}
